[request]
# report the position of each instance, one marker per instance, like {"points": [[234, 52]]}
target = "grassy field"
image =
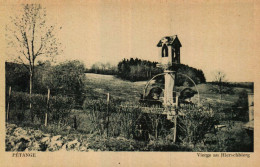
{"points": [[99, 85], [130, 91], [89, 125]]}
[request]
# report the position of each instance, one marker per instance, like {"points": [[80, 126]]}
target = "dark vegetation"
{"points": [[16, 76], [81, 112], [101, 68], [184, 75], [66, 79], [240, 106], [137, 69], [58, 110], [30, 38], [120, 125], [142, 70], [248, 85], [196, 75]]}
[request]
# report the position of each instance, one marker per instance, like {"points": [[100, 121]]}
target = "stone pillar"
{"points": [[251, 106], [168, 90]]}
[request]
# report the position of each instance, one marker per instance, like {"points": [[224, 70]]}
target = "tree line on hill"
{"points": [[137, 69], [249, 85], [142, 70], [102, 68]]}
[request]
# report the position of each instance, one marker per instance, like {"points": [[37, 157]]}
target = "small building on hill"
{"points": [[169, 50]]}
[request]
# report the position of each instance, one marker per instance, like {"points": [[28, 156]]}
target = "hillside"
{"points": [[89, 129], [99, 85]]}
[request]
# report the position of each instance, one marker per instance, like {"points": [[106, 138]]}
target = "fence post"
{"points": [[177, 101], [175, 128], [8, 105], [107, 113], [156, 127], [75, 122], [46, 113]]}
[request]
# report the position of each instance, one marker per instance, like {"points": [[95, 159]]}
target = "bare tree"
{"points": [[30, 38], [219, 79]]}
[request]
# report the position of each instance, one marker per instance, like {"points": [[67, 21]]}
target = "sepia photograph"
{"points": [[129, 76]]}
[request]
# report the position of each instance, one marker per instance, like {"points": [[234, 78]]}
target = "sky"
{"points": [[215, 36]]}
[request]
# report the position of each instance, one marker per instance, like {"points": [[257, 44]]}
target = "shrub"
{"points": [[125, 120], [241, 106], [16, 76], [194, 125], [182, 71], [67, 79], [99, 111], [196, 75], [59, 106], [19, 103], [116, 119]]}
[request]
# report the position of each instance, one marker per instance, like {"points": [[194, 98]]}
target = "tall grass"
{"points": [[58, 111], [123, 123]]}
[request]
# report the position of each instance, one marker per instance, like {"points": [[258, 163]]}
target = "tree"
{"points": [[31, 38], [196, 75], [68, 79], [219, 79]]}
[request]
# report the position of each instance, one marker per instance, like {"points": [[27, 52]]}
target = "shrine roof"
{"points": [[170, 40]]}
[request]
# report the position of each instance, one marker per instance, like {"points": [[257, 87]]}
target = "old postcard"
{"points": [[129, 83]]}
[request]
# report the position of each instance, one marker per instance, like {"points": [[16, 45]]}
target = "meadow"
{"points": [[103, 126]]}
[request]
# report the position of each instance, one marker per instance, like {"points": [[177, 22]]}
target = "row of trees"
{"points": [[141, 70], [137, 69], [129, 69], [103, 68]]}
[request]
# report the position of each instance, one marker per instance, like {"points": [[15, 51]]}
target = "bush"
{"points": [[196, 75], [19, 103], [98, 111], [194, 125], [131, 123], [67, 79], [125, 120], [16, 76], [59, 107], [116, 119], [241, 106]]}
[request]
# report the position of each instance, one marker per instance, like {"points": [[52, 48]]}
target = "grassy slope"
{"points": [[234, 136], [99, 85]]}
